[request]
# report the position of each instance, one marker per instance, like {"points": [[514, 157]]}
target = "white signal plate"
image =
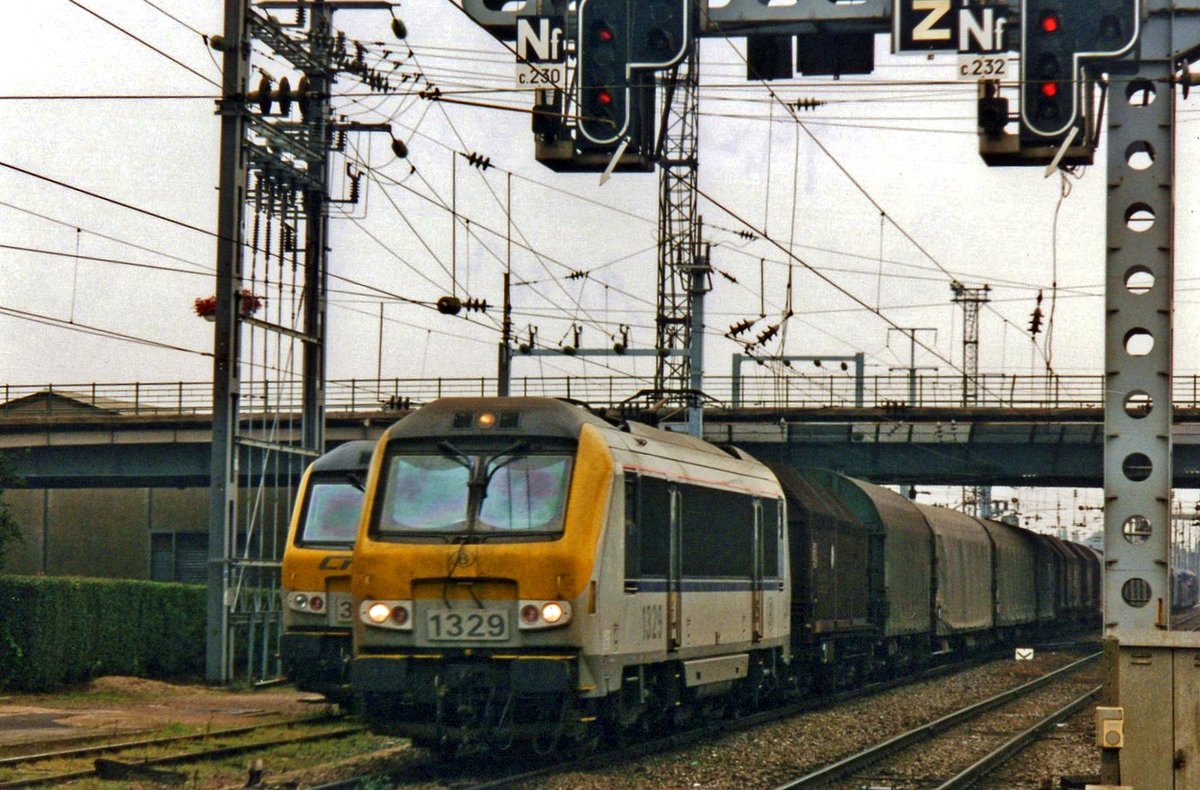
{"points": [[996, 66], [542, 75]]}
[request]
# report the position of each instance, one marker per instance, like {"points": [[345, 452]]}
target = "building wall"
{"points": [[109, 532]]}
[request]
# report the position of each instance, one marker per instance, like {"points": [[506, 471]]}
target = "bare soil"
{"points": [[112, 706]]}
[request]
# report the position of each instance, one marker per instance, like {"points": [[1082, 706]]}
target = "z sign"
{"points": [[952, 25]]}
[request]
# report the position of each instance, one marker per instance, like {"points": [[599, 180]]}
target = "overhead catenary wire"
{"points": [[144, 43]]}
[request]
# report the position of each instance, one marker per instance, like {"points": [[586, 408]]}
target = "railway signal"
{"points": [[604, 80], [619, 44], [1059, 40]]}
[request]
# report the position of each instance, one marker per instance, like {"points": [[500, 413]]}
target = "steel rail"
{"points": [[623, 753], [1010, 748], [101, 748], [866, 757], [186, 757]]}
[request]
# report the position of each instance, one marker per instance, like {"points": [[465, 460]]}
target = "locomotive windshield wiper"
{"points": [[482, 468]]}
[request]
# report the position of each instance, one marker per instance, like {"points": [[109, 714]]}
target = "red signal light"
{"points": [[1049, 89], [604, 97], [605, 34], [1050, 22]]}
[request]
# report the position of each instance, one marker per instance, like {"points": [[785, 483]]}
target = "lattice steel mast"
{"points": [[684, 274], [277, 165], [971, 299]]}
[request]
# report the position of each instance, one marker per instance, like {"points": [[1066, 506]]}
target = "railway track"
{"points": [[152, 759], [482, 774], [967, 745]]}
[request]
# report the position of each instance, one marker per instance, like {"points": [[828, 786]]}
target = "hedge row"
{"points": [[56, 631]]}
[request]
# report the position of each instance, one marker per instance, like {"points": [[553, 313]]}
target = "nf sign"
{"points": [[951, 25], [540, 40], [541, 54]]}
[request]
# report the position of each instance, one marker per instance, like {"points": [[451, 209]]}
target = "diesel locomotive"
{"points": [[528, 571]]}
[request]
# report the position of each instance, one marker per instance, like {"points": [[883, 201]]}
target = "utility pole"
{"points": [[911, 333], [684, 273], [504, 358], [971, 299], [223, 467], [279, 166]]}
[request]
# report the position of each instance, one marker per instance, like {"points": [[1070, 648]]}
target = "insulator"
{"points": [[727, 276], [263, 95], [399, 30], [399, 148], [285, 97], [476, 305], [767, 334], [354, 187], [745, 234], [479, 160], [578, 274], [741, 327], [306, 105], [449, 305], [808, 104], [432, 93]]}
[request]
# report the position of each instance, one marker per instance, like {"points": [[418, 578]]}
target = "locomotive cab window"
{"points": [[449, 492], [331, 512]]}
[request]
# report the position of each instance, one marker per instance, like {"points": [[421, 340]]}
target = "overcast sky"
{"points": [[901, 140]]}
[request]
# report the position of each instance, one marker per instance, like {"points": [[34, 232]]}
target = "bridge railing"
{"points": [[753, 391]]}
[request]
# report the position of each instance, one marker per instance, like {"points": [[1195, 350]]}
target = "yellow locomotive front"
{"points": [[474, 569]]}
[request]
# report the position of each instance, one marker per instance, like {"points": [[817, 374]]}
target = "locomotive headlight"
{"points": [[396, 615], [486, 420], [308, 602], [543, 614]]}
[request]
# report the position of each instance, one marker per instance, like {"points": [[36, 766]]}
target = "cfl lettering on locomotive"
{"points": [[318, 608], [529, 570]]}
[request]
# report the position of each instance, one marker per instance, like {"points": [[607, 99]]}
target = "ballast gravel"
{"points": [[769, 756]]}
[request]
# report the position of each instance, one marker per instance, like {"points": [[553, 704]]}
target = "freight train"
{"points": [[526, 570], [318, 610]]}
